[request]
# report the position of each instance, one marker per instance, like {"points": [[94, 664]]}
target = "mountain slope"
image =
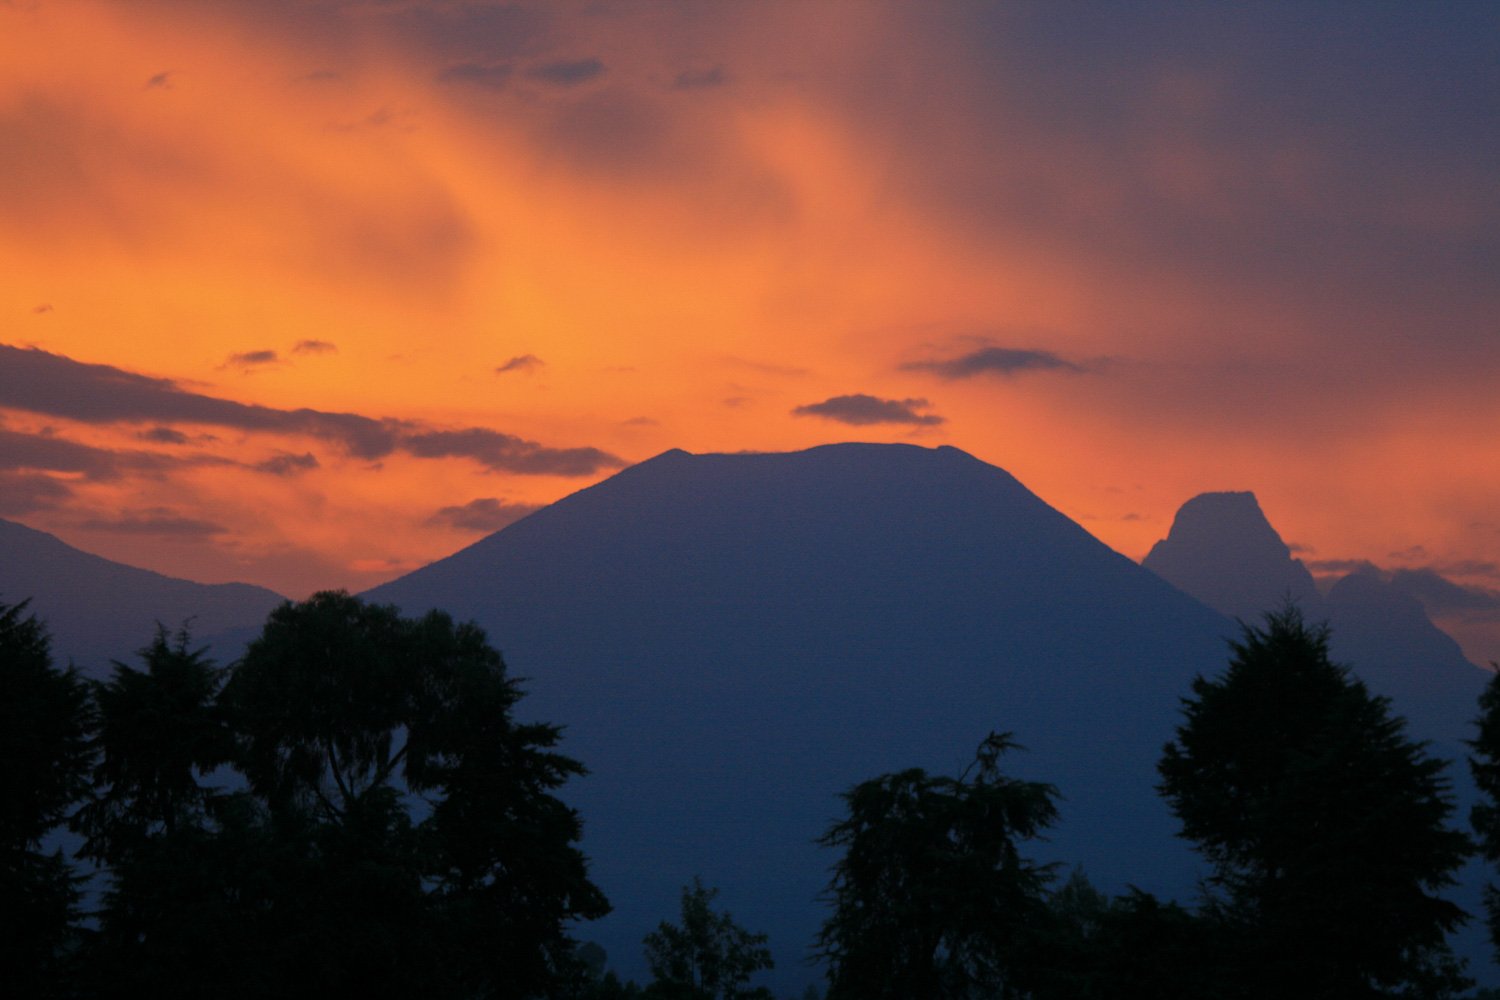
{"points": [[98, 610], [734, 640], [1223, 551]]}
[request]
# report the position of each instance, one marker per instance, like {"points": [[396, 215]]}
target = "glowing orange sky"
{"points": [[1248, 249]]}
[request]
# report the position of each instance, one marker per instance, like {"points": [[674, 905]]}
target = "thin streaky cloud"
{"points": [[158, 521], [521, 363], [287, 464], [483, 514], [163, 435], [251, 359], [491, 77], [700, 79], [567, 72], [860, 410], [508, 453], [37, 381], [1005, 361], [26, 493]]}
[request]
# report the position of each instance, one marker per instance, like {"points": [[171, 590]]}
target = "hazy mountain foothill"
{"points": [[749, 663], [98, 610]]}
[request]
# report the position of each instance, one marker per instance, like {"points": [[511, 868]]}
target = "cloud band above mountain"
{"points": [[40, 382]]}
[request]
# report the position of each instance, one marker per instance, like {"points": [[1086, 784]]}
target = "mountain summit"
{"points": [[734, 640], [1223, 551]]}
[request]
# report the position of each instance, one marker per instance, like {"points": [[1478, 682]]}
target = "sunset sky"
{"points": [[310, 294]]}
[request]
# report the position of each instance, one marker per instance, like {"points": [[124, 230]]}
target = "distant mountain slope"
{"points": [[733, 640], [1223, 551], [98, 610]]}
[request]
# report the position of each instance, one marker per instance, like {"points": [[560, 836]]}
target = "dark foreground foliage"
{"points": [[349, 810], [352, 809], [1327, 828]]}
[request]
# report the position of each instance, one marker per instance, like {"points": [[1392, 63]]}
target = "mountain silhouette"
{"points": [[1222, 550], [98, 610], [734, 640]]}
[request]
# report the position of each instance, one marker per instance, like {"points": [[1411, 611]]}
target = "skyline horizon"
{"points": [[311, 295], [1425, 586]]}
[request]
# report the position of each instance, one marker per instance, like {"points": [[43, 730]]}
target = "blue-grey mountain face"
{"points": [[1223, 551], [734, 640], [98, 610]]}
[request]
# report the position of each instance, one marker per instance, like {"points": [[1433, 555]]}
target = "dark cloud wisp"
{"points": [[37, 381], [491, 77], [700, 79], [163, 435], [287, 464], [520, 363], [251, 359], [483, 514], [153, 521], [508, 453], [315, 347], [567, 72], [23, 493], [862, 410], [994, 360]]}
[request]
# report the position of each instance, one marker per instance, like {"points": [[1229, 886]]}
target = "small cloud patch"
{"points": [[491, 77], [567, 72], [315, 347], [23, 493], [154, 521], [1003, 361], [287, 464], [508, 453], [251, 359], [862, 410], [483, 514], [700, 79], [163, 435], [521, 363]]}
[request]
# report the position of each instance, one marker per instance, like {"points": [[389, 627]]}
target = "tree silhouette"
{"points": [[1325, 825], [1484, 764], [158, 732], [707, 957], [185, 913], [348, 716], [350, 809], [44, 718], [932, 897]]}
